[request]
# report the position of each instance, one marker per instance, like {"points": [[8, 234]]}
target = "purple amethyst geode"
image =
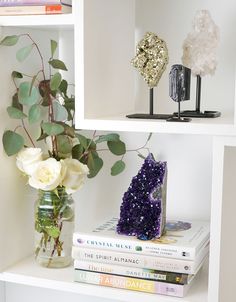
{"points": [[143, 208]]}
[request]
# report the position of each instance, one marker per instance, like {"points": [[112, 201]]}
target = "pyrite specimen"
{"points": [[200, 46], [143, 209], [151, 58]]}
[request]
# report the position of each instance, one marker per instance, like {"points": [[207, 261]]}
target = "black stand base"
{"points": [[150, 116], [178, 119], [199, 114]]}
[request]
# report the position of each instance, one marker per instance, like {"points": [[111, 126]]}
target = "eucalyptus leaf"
{"points": [[42, 137], [63, 87], [12, 142], [52, 128], [55, 81], [16, 75], [25, 96], [34, 114], [117, 147], [77, 151], [117, 168], [141, 156], [53, 47], [70, 103], [58, 64], [24, 52], [83, 140], [64, 144], [60, 113], [149, 136], [112, 137], [95, 164], [10, 40], [15, 102], [15, 113]]}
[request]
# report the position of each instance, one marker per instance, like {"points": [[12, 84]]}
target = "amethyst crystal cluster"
{"points": [[143, 210]]}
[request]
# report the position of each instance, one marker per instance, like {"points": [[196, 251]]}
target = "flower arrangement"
{"points": [[60, 165]]}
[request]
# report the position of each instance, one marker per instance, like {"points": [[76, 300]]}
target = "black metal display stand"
{"points": [[151, 114], [197, 113], [178, 117]]}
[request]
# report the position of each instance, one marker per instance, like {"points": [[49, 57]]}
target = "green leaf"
{"points": [[52, 128], [83, 140], [64, 144], [149, 136], [12, 142], [117, 168], [60, 113], [117, 148], [68, 213], [52, 231], [25, 97], [55, 81], [10, 40], [58, 64], [95, 164], [15, 113], [141, 156], [69, 131], [77, 151], [32, 83], [42, 137], [111, 137], [53, 47], [15, 102], [16, 75], [63, 87], [34, 113], [70, 103], [24, 52]]}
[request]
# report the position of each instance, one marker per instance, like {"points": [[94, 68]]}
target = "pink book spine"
{"points": [[28, 2]]}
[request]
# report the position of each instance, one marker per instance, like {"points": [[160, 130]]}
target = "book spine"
{"points": [[27, 2], [31, 10], [128, 246], [134, 260], [132, 272], [130, 283]]}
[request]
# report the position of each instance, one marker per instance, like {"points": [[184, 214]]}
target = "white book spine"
{"points": [[140, 261], [129, 246]]}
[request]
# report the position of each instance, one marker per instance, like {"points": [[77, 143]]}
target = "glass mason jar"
{"points": [[54, 227]]}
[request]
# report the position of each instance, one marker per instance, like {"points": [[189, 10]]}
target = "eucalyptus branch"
{"points": [[27, 133], [39, 52]]}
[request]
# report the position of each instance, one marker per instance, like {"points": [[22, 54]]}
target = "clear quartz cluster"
{"points": [[200, 46], [151, 58], [143, 210]]}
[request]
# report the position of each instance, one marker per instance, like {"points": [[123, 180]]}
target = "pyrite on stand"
{"points": [[197, 112], [151, 114]]}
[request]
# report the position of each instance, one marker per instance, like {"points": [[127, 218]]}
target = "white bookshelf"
{"points": [[97, 42], [27, 272]]}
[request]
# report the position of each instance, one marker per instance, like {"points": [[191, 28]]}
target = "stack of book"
{"points": [[34, 7], [163, 266]]}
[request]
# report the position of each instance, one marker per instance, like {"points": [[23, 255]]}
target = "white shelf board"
{"points": [[214, 126], [62, 21], [27, 272]]}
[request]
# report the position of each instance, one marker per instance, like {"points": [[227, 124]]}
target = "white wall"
{"points": [[189, 178], [172, 21]]}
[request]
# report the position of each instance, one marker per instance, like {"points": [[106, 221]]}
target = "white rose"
{"points": [[27, 159], [74, 174], [47, 175]]}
